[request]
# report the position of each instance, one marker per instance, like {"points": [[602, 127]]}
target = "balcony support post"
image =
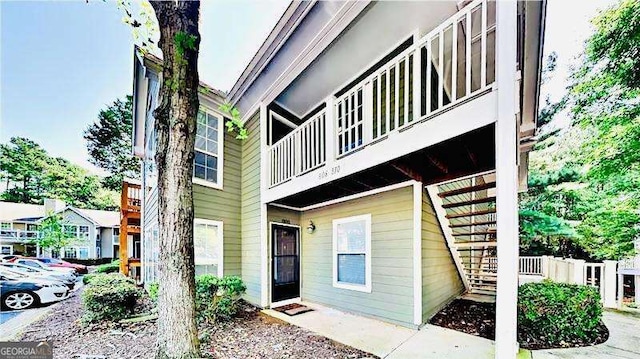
{"points": [[506, 181], [331, 141]]}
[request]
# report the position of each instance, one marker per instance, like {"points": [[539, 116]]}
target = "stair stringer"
{"points": [[441, 214]]}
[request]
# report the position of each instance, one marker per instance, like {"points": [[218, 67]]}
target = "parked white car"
{"points": [[37, 264], [68, 279], [18, 291]]}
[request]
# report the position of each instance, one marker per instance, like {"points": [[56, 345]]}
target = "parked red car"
{"points": [[54, 262]]}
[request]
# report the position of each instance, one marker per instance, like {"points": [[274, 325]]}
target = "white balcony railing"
{"points": [[531, 266], [17, 234], [451, 64], [300, 151]]}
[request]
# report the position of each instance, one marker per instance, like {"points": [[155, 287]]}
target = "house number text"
{"points": [[324, 174]]}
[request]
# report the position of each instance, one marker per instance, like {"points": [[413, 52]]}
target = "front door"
{"points": [[285, 262]]}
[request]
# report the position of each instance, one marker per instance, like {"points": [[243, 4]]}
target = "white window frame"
{"points": [[220, 226], [350, 286], [7, 246], [115, 238], [219, 155], [81, 234]]}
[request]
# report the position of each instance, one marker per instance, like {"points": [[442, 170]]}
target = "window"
{"points": [[83, 252], [207, 167], [5, 225], [207, 240], [71, 230], [98, 252], [352, 253], [70, 252], [84, 232]]}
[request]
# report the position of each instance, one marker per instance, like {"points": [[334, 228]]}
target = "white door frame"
{"points": [[297, 299]]}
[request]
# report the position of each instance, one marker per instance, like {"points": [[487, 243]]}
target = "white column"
{"points": [[506, 182], [621, 290], [264, 241], [609, 282]]}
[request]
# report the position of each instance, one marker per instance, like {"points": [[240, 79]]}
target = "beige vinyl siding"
{"points": [[391, 296], [441, 281], [224, 205], [250, 211]]}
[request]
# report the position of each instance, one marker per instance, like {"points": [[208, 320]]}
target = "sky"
{"points": [[63, 61]]}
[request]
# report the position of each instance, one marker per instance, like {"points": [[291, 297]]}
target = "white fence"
{"points": [[573, 271]]}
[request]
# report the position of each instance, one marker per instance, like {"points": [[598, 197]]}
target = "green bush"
{"points": [[109, 297], [217, 298], [152, 290], [553, 313], [86, 279], [112, 267]]}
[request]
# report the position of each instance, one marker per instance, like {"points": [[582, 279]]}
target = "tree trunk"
{"points": [[175, 127]]}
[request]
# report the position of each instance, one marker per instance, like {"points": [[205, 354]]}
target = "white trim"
{"points": [[348, 198], [297, 299], [220, 155], [329, 32], [264, 245], [220, 226], [417, 253], [281, 119], [367, 252]]}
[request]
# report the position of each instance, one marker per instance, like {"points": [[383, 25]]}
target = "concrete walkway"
{"points": [[624, 341], [387, 340]]}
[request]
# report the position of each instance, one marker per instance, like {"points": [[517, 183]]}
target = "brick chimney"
{"points": [[53, 205]]}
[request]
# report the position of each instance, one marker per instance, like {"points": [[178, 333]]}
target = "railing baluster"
{"points": [[454, 61], [440, 69], [396, 96], [379, 112], [483, 52], [406, 89], [428, 78], [468, 52], [388, 100]]}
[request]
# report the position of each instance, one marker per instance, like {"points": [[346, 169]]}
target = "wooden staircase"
{"points": [[130, 211], [466, 210]]}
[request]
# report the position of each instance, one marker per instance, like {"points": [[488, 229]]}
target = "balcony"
{"points": [[18, 235], [414, 98]]}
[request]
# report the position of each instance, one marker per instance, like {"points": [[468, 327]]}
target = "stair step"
{"points": [[482, 291], [475, 244], [481, 233], [470, 214], [485, 223], [469, 202], [469, 189]]}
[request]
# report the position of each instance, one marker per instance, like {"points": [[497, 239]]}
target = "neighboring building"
{"points": [[383, 136], [95, 231]]}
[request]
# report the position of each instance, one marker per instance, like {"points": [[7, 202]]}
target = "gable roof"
{"points": [[26, 212]]}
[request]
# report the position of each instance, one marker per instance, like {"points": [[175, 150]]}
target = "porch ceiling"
{"points": [[470, 153], [379, 29]]}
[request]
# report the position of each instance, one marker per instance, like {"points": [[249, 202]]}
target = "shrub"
{"points": [[109, 297], [217, 298], [152, 290], [556, 313], [112, 267], [86, 279]]}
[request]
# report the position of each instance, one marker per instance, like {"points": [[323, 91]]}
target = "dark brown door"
{"points": [[285, 262]]}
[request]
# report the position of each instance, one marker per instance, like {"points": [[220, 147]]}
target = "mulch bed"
{"points": [[251, 335], [479, 319], [470, 317]]}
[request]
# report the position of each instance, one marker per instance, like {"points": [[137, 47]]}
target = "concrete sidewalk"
{"points": [[623, 342], [387, 340]]}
